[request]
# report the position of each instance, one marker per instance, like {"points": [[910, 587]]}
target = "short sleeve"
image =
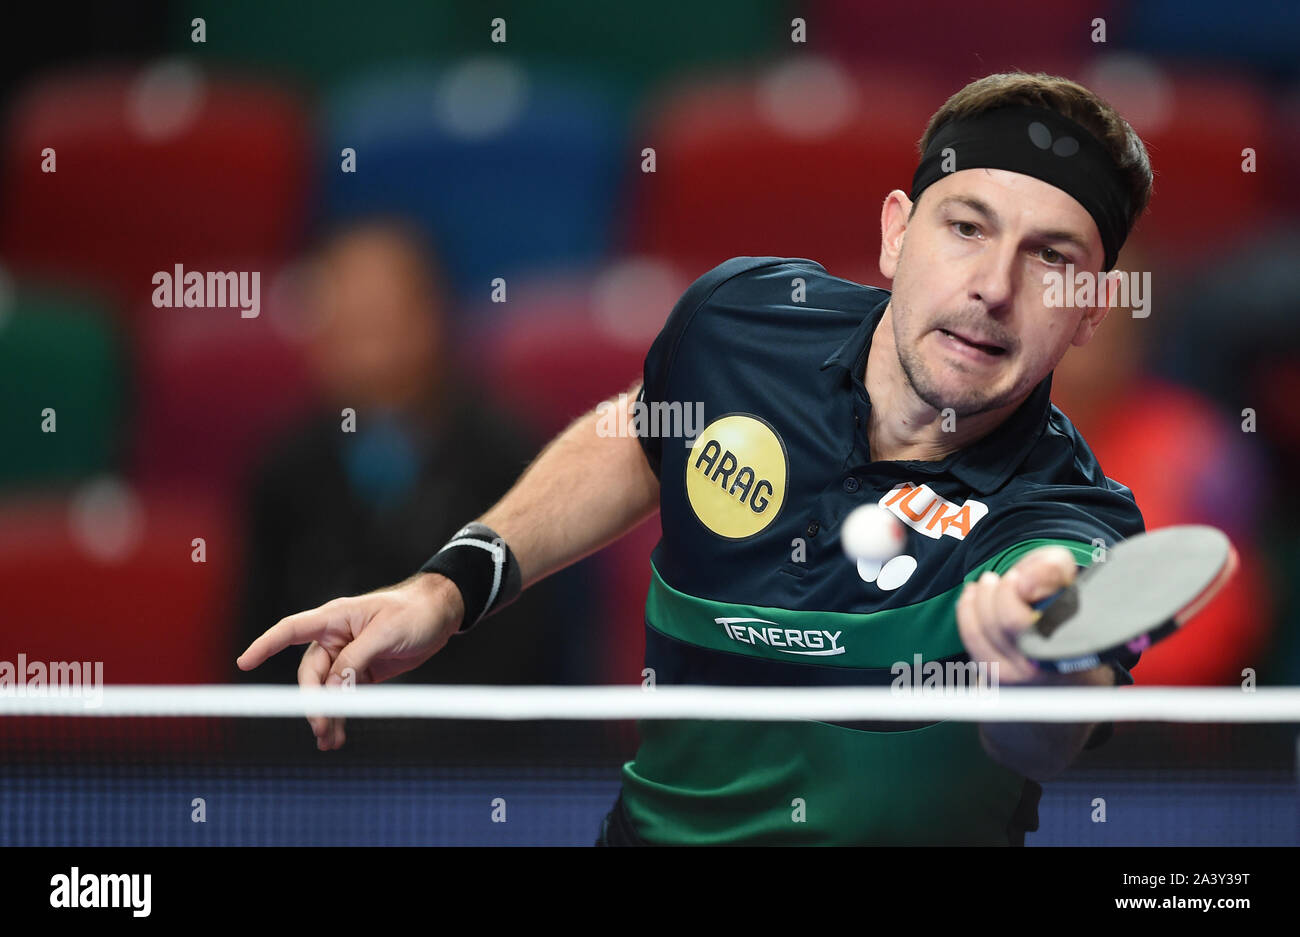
{"points": [[655, 385], [1089, 516]]}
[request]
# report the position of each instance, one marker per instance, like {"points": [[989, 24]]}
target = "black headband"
{"points": [[1038, 142]]}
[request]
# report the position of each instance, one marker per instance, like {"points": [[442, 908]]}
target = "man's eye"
{"points": [[1051, 256], [965, 228]]}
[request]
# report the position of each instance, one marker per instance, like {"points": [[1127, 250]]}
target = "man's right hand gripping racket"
{"points": [[1145, 589]]}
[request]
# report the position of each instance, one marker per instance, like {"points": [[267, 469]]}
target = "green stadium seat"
{"points": [[58, 351], [634, 45]]}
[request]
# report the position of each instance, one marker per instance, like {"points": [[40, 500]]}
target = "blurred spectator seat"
{"points": [[1260, 34], [156, 167], [960, 41], [634, 46], [794, 162], [212, 389], [565, 344], [108, 575], [58, 351], [336, 40], [628, 46], [506, 170], [1195, 126]]}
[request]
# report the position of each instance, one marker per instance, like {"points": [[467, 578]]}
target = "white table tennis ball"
{"points": [[872, 533]]}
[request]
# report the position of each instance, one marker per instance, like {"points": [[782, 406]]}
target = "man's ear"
{"points": [[1091, 319], [893, 225]]}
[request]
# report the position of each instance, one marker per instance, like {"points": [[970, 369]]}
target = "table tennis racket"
{"points": [[1145, 589]]}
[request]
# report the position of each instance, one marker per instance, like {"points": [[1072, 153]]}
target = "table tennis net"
{"points": [[238, 766]]}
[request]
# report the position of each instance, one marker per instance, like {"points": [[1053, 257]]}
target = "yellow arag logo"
{"points": [[736, 476]]}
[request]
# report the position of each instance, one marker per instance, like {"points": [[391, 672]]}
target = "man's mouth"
{"points": [[976, 342]]}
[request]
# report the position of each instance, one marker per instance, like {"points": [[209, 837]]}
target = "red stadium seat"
{"points": [[567, 345], [107, 578], [960, 41], [155, 167], [1195, 127], [212, 388], [110, 577], [796, 161]]}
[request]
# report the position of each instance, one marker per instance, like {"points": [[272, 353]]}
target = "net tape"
{"points": [[761, 704]]}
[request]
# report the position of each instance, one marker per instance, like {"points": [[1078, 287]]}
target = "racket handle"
{"points": [[1043, 603], [1056, 609]]}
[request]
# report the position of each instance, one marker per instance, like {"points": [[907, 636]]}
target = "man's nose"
{"points": [[993, 280]]}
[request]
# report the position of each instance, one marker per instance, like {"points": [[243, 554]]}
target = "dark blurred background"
{"points": [[201, 482]]}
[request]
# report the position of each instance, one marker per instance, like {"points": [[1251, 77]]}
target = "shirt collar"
{"points": [[989, 462]]}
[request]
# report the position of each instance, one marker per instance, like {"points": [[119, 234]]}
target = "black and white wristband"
{"points": [[482, 567]]}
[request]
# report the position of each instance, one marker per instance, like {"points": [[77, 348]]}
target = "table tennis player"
{"points": [[819, 395]]}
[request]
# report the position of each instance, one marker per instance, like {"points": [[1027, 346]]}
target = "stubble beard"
{"points": [[971, 400]]}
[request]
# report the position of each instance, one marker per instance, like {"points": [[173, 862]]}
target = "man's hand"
{"points": [[377, 636], [994, 611]]}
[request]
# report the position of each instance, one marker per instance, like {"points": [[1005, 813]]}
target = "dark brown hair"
{"points": [[1069, 99]]}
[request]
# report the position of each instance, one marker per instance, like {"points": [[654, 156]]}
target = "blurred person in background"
{"points": [[1241, 347], [1186, 462], [331, 511]]}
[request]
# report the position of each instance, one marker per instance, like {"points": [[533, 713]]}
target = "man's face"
{"points": [[971, 321], [377, 340]]}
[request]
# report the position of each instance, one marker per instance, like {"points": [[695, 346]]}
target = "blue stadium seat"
{"points": [[507, 170], [1263, 34]]}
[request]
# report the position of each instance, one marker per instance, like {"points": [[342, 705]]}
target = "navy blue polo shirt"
{"points": [[760, 365]]}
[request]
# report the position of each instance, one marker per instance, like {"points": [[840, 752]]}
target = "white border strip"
{"points": [[1007, 704]]}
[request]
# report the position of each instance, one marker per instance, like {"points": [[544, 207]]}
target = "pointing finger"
{"points": [[300, 628]]}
